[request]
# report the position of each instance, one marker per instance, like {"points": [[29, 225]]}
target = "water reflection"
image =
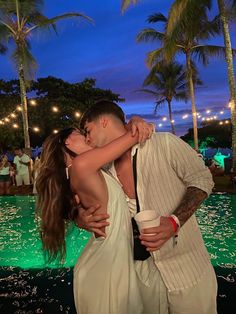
{"points": [[29, 286]]}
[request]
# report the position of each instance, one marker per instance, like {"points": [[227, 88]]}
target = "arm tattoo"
{"points": [[190, 202]]}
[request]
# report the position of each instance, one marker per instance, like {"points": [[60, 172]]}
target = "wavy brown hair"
{"points": [[55, 203]]}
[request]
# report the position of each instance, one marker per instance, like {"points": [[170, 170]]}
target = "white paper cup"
{"points": [[147, 219]]}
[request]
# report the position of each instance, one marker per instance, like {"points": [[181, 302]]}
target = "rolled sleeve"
{"points": [[189, 167]]}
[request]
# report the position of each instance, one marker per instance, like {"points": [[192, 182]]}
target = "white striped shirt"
{"points": [[166, 167]]}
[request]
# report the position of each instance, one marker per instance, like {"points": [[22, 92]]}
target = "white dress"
{"points": [[104, 277]]}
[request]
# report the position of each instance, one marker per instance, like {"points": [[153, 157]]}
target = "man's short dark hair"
{"points": [[99, 108]]}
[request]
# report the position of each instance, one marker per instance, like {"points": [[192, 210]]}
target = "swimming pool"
{"points": [[28, 284]]}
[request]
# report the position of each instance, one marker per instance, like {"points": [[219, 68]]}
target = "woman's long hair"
{"points": [[55, 202]]}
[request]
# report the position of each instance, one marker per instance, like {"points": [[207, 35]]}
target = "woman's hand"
{"points": [[144, 129]]}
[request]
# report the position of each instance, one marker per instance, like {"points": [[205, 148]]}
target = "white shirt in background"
{"points": [[21, 168]]}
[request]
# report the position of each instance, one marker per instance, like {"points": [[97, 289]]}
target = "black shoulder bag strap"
{"points": [[140, 252]]}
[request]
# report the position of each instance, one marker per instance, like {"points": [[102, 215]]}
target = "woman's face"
{"points": [[76, 142]]}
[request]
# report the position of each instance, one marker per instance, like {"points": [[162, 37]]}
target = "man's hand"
{"points": [[89, 220], [144, 129], [160, 235]]}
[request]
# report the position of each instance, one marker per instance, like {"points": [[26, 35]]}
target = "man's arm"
{"points": [[187, 207], [25, 163], [89, 220], [189, 204], [198, 181]]}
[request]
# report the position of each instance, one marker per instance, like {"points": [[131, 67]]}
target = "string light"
{"points": [[77, 114], [55, 109], [36, 129], [33, 102]]}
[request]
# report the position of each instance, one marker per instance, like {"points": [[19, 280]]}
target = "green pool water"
{"points": [[20, 244], [28, 285]]}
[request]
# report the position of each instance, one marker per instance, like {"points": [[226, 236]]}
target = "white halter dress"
{"points": [[104, 277]]}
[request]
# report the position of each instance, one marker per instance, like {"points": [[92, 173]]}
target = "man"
{"points": [[22, 163], [174, 181]]}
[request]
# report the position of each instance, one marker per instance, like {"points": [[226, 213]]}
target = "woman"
{"points": [[104, 276], [5, 179]]}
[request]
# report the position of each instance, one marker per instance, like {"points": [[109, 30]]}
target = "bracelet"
{"points": [[174, 224], [176, 219]]}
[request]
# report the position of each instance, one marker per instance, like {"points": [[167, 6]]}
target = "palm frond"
{"points": [[21, 56], [126, 3], [149, 34], [3, 49], [182, 96], [157, 17], [42, 21], [26, 7], [184, 12], [159, 103], [147, 91], [209, 28], [154, 57], [4, 33], [203, 52]]}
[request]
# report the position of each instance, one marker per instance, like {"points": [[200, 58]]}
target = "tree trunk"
{"points": [[191, 91], [24, 105], [170, 117], [231, 78]]}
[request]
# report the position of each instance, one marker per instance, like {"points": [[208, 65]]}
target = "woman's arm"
{"points": [[96, 158]]}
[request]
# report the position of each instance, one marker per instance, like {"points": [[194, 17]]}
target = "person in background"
{"points": [[28, 152], [5, 178], [174, 181], [22, 163]]}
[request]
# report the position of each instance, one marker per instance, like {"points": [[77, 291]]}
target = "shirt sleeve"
{"points": [[189, 167]]}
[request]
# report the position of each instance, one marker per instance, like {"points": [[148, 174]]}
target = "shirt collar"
{"points": [[134, 148]]}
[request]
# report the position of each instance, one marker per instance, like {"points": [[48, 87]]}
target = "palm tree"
{"points": [[188, 40], [169, 82], [19, 19], [184, 9]]}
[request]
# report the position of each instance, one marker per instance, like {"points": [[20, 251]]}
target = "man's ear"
{"points": [[103, 121]]}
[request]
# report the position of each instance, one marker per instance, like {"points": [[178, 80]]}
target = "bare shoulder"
{"points": [[82, 168]]}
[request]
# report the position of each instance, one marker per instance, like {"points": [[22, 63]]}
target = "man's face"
{"points": [[95, 133], [18, 152]]}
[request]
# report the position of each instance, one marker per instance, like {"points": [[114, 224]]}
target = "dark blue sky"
{"points": [[108, 52]]}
